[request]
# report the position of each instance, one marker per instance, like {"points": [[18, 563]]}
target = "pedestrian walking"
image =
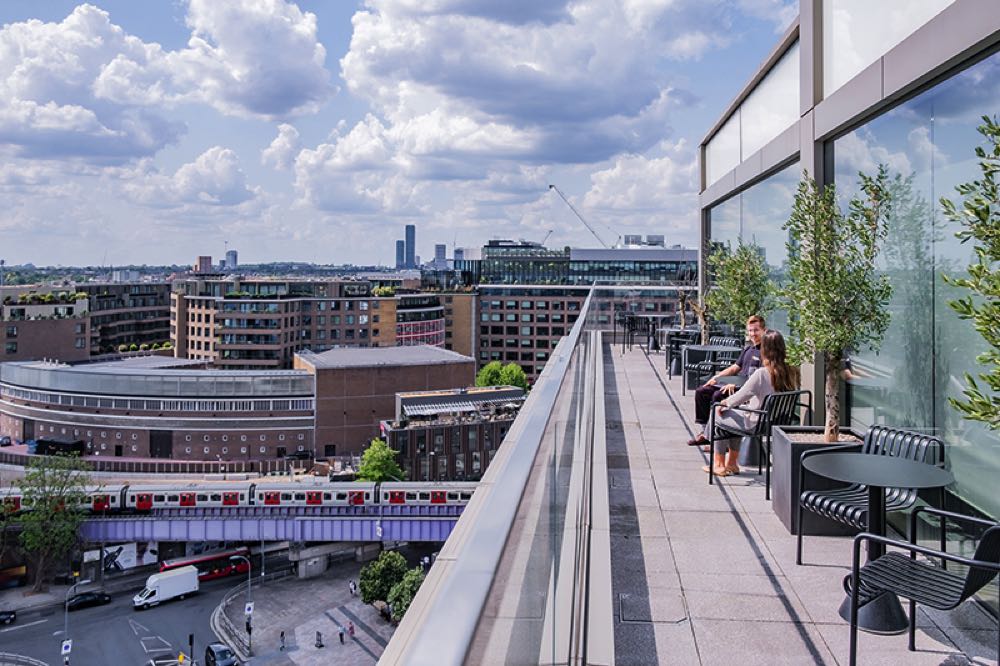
{"points": [[340, 630], [353, 587], [281, 638], [350, 630], [319, 639]]}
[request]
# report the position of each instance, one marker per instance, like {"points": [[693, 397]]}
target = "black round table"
{"points": [[884, 614]]}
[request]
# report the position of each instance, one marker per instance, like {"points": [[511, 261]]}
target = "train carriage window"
{"points": [[171, 498], [411, 496], [131, 499], [243, 497], [215, 497], [161, 498], [326, 497], [203, 498], [300, 497], [452, 497], [466, 496], [286, 496], [425, 496], [341, 496]]}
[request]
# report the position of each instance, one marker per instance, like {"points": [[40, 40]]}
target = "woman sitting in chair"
{"points": [[774, 375]]}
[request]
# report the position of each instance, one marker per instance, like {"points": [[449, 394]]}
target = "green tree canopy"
{"points": [[402, 593], [377, 578], [979, 214], [53, 490], [742, 285], [513, 375], [378, 463], [836, 299], [490, 374]]}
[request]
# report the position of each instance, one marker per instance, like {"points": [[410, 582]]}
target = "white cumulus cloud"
{"points": [[213, 179], [281, 152]]}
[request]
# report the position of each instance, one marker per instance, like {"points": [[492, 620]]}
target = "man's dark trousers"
{"points": [[704, 397]]}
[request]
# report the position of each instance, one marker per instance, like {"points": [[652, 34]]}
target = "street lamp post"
{"points": [[249, 598], [69, 593]]}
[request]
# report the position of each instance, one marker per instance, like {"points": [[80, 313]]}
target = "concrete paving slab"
{"points": [[749, 643]]}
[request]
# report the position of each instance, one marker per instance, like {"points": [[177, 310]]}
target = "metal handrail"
{"points": [[452, 599]]}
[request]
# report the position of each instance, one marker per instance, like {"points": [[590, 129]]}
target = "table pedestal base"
{"points": [[882, 615]]}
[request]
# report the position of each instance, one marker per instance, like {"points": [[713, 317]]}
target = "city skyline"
{"points": [[304, 132]]}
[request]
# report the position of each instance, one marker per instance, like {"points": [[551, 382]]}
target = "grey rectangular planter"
{"points": [[786, 455]]}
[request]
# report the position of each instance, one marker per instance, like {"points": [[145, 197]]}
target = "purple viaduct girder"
{"points": [[298, 524]]}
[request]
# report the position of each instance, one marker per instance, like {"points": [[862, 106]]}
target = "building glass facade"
{"points": [[927, 143]]}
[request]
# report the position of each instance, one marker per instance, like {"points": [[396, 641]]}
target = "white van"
{"points": [[173, 584]]}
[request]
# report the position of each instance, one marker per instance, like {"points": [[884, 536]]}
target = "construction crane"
{"points": [[547, 236], [581, 218]]}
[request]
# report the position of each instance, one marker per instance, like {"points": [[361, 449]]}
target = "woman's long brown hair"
{"points": [[772, 349]]}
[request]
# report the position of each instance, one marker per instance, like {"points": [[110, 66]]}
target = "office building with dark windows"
{"points": [[851, 86], [451, 435]]}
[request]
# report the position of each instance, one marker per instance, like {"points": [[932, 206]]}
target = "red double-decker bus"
{"points": [[212, 565]]}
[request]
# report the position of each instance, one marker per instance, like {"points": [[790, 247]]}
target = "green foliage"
{"points": [[133, 347], [402, 593], [377, 578], [378, 463], [155, 346], [384, 291], [836, 299], [53, 488], [742, 284], [167, 345], [490, 374], [513, 375], [144, 347], [123, 348], [979, 214]]}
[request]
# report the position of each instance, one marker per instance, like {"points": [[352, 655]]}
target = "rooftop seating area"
{"points": [[706, 574]]}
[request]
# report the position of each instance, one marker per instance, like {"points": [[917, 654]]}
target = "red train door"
{"points": [[100, 502], [356, 497], [143, 501], [314, 497], [438, 497], [12, 503], [187, 499], [272, 498], [397, 497], [230, 499]]}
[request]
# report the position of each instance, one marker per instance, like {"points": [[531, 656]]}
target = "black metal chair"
{"points": [[782, 408], [850, 505], [919, 581], [711, 363]]}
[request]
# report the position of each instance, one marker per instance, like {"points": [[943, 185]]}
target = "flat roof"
{"points": [[366, 357], [151, 362], [649, 253]]}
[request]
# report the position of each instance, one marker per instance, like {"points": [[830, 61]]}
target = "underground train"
{"points": [[133, 498]]}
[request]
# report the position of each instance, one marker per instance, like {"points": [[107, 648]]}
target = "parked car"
{"points": [[88, 599], [8, 617], [219, 654], [5, 441]]}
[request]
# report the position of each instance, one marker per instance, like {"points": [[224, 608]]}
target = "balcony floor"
{"points": [[707, 575]]}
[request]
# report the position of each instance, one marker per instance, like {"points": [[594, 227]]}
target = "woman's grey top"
{"points": [[757, 387]]}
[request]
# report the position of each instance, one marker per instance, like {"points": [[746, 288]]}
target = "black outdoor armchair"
{"points": [[782, 408], [920, 581], [712, 363], [850, 505]]}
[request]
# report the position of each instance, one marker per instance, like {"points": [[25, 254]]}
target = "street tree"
{"points": [[513, 375], [378, 463], [836, 298], [979, 214], [741, 284], [402, 593], [53, 496], [378, 577], [490, 374]]}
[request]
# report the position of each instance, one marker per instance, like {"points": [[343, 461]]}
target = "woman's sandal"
{"points": [[733, 471], [719, 471]]}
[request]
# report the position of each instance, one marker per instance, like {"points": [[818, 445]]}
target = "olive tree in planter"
{"points": [[836, 298], [741, 284], [979, 214]]}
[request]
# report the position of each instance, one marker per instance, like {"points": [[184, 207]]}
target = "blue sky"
{"points": [[152, 132]]}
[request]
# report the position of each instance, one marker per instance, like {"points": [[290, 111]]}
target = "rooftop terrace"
{"points": [[595, 538]]}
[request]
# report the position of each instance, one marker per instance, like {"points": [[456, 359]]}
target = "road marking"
{"points": [[133, 624], [28, 624], [153, 648]]}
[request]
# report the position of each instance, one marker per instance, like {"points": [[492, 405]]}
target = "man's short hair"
{"points": [[756, 319]]}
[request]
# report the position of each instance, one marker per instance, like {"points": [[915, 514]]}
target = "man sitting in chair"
{"points": [[711, 392]]}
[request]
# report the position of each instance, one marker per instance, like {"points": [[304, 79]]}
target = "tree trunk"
{"points": [[833, 362], [39, 584]]}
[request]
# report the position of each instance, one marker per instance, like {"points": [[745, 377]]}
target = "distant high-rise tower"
{"points": [[231, 260], [411, 246], [400, 254], [203, 265], [459, 255], [440, 256]]}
